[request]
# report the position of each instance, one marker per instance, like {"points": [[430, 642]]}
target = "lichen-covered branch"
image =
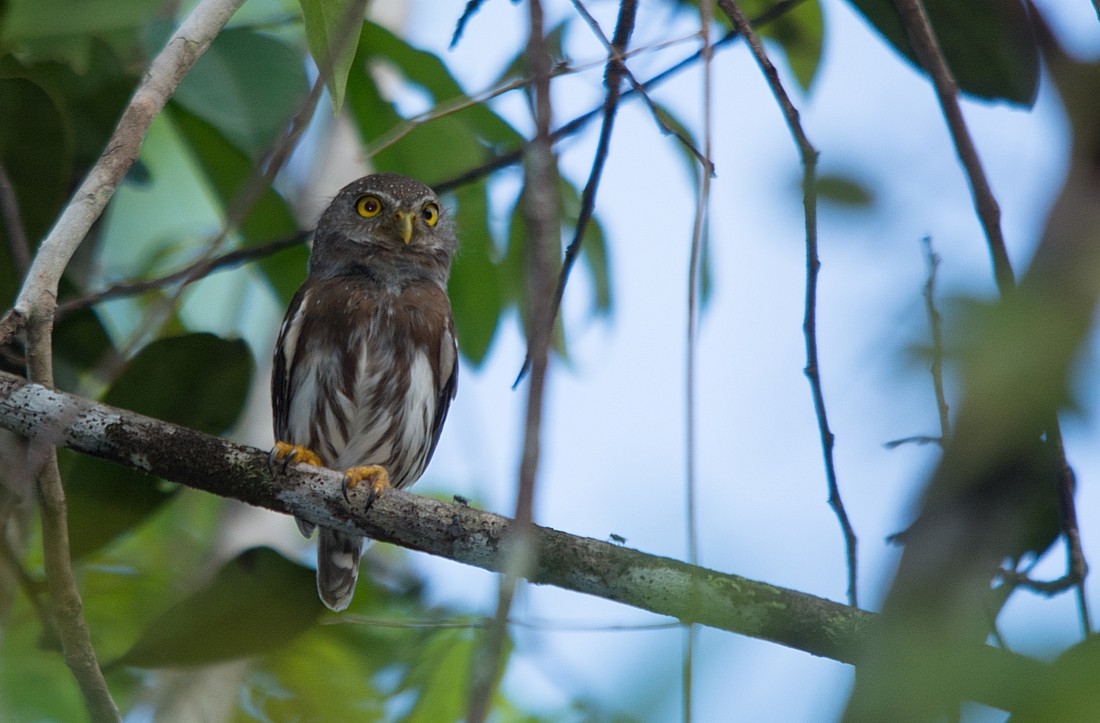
{"points": [[473, 537]]}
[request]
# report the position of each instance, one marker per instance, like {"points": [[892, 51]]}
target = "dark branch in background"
{"points": [[813, 265], [613, 76], [927, 49], [472, 537], [13, 224], [935, 327], [472, 6], [922, 38], [199, 269], [542, 217], [515, 156]]}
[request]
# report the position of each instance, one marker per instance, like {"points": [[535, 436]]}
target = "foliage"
{"points": [[161, 591]]}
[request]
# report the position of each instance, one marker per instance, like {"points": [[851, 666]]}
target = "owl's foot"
{"points": [[286, 454], [376, 478]]}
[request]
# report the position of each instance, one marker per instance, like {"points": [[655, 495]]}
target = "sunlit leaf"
{"points": [[258, 602]]}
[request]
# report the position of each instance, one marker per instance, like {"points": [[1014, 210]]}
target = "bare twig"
{"points": [[595, 567], [695, 256], [541, 209], [935, 326], [13, 224], [613, 80], [927, 49], [813, 265], [198, 269], [515, 156]]}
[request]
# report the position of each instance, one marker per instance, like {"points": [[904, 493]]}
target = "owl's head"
{"points": [[386, 223]]}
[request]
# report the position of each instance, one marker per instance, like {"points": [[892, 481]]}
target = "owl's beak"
{"points": [[405, 223]]}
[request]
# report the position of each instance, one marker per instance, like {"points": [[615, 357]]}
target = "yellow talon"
{"points": [[288, 454], [376, 477]]}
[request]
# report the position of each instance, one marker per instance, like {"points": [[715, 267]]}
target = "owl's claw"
{"points": [[284, 454], [376, 478]]}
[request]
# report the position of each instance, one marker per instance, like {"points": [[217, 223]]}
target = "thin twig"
{"points": [[613, 75], [541, 209], [201, 268], [813, 265], [695, 256], [13, 224], [935, 326], [513, 157], [927, 49]]}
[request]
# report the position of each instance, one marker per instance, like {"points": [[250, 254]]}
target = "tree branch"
{"points": [[808, 155], [657, 584]]}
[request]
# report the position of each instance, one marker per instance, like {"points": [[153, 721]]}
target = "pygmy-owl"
{"points": [[366, 363]]}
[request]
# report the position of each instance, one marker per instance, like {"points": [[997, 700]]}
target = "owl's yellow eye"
{"points": [[368, 206], [430, 214]]}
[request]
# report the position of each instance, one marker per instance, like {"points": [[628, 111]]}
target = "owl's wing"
{"points": [[280, 373], [448, 387]]}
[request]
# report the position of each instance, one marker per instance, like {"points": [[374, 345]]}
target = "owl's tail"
{"points": [[337, 567]]}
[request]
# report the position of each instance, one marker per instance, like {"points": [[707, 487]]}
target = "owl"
{"points": [[366, 362]]}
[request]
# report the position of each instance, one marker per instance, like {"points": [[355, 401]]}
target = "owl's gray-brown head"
{"points": [[387, 224]]}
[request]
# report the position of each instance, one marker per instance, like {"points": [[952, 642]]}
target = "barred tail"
{"points": [[337, 567]]}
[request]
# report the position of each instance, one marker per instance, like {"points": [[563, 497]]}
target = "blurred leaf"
{"points": [[38, 171], [228, 170], [67, 31], [198, 381], [441, 676], [427, 71], [36, 685], [843, 191], [247, 85], [332, 32], [257, 603], [988, 44], [593, 248], [80, 344], [475, 292], [799, 32]]}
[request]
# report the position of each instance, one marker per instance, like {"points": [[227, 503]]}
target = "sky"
{"points": [[614, 433]]}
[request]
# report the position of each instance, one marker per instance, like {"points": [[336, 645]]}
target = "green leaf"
{"points": [[67, 31], [257, 603], [843, 191], [475, 286], [38, 169], [332, 31], [198, 381], [228, 170], [441, 676], [247, 85], [988, 44]]}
